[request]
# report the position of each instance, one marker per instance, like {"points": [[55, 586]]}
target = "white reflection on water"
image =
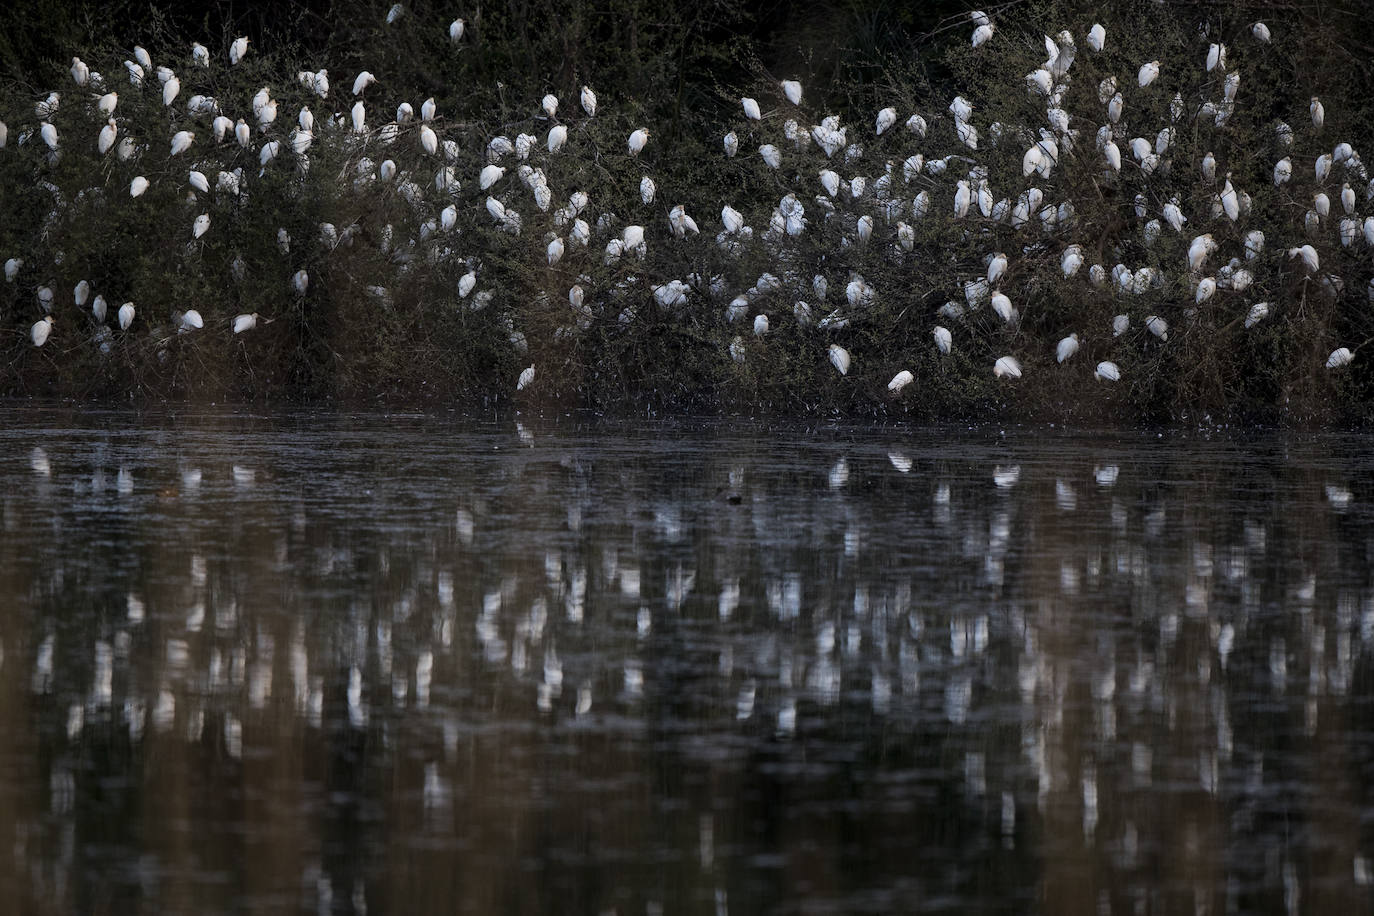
{"points": [[1051, 646]]}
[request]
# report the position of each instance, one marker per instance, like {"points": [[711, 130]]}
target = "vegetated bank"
{"points": [[1136, 214]]}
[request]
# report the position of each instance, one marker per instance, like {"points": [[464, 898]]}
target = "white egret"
{"points": [[181, 141], [404, 113], [428, 109], [1308, 255], [588, 99], [550, 105], [40, 331], [1216, 57], [636, 142], [1002, 306], [136, 73], [1066, 348], [1260, 31], [455, 30], [751, 109], [839, 358], [962, 199], [647, 189], [760, 325], [1206, 288], [900, 380], [490, 175], [170, 90], [49, 134], [12, 269], [1157, 326], [771, 155], [1097, 37], [1072, 260], [997, 267], [1339, 357], [138, 186], [448, 218], [81, 293], [429, 141], [362, 81], [1322, 167], [886, 118], [200, 55], [526, 379], [1173, 215], [198, 181], [200, 226], [558, 135], [554, 252], [1348, 197], [269, 151], [1322, 204], [107, 103], [1318, 112], [300, 281], [792, 90], [1149, 72], [944, 341], [243, 133], [1230, 202], [98, 308], [1258, 312], [1007, 367], [237, 49], [81, 73], [982, 33], [1209, 166], [126, 316], [1283, 171], [1112, 155], [1107, 371], [1198, 250], [1254, 244], [106, 140], [244, 323]]}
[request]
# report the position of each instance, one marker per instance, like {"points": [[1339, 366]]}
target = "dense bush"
{"points": [[390, 236]]}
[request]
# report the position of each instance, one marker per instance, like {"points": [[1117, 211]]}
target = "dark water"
{"points": [[397, 664]]}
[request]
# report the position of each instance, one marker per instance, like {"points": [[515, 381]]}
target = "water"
{"points": [[402, 664]]}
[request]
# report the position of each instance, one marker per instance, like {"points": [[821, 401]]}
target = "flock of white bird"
{"points": [[874, 216]]}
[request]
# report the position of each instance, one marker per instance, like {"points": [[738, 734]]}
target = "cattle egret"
{"points": [[362, 81], [1002, 306], [1260, 31], [245, 322], [429, 141], [637, 140], [588, 100], [1157, 326], [181, 141], [201, 225], [106, 140], [962, 199], [1322, 167], [1348, 198], [839, 358], [1308, 255], [1067, 347], [98, 308], [40, 331], [1206, 287], [1107, 371], [300, 281], [237, 49], [1318, 113], [1339, 357], [455, 30], [126, 316], [1216, 57], [1258, 312], [170, 89], [1254, 244], [554, 252], [1149, 72], [526, 379], [982, 33], [886, 118], [1007, 367], [900, 380], [751, 109], [1201, 246], [760, 325], [49, 134], [944, 341], [792, 90], [490, 175], [1097, 37]]}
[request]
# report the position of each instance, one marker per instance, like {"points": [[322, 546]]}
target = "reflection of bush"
{"points": [[385, 313]]}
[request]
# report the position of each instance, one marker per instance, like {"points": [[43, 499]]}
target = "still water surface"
{"points": [[399, 664]]}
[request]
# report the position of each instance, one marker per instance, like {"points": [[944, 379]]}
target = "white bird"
{"points": [[170, 89], [558, 135], [982, 33], [792, 90], [490, 175], [455, 30], [189, 320], [647, 188], [549, 104], [554, 251], [237, 49], [405, 113], [126, 316], [198, 181], [98, 308], [1002, 306], [997, 267], [1072, 260], [1174, 216], [245, 322], [1216, 57], [1260, 31], [771, 155], [1201, 246], [138, 186], [200, 226], [1348, 198], [269, 151], [1206, 288], [526, 379], [300, 281], [429, 140], [107, 103], [363, 80], [1254, 244], [1097, 37], [181, 141], [106, 140], [900, 380], [886, 118], [1067, 347], [243, 133], [760, 325], [1322, 204], [962, 199], [12, 269], [1318, 112], [1258, 312], [751, 109], [1006, 367], [1339, 357], [1322, 167], [1209, 166], [40, 331], [49, 134], [1283, 171], [1157, 326], [81, 73], [1149, 72], [200, 55], [588, 99], [1230, 202], [839, 358], [944, 341], [1107, 371], [1308, 255]]}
